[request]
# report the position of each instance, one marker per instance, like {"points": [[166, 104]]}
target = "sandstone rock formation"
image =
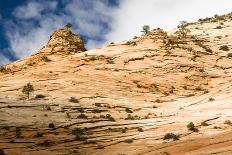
{"points": [[63, 40], [134, 98]]}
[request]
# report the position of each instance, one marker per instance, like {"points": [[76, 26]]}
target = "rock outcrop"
{"points": [[64, 41]]}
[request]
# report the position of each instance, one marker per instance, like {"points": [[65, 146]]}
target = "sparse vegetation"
{"points": [[68, 25], [3, 69], [39, 134], [51, 125], [128, 110], [27, 89], [110, 118], [80, 134], [40, 96], [129, 141], [192, 127], [45, 59], [228, 122], [130, 117], [169, 136], [146, 29], [82, 116], [182, 31], [224, 48], [73, 100], [211, 99], [18, 132], [229, 54], [140, 129]]}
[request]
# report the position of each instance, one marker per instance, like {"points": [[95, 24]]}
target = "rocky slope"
{"points": [[123, 98]]}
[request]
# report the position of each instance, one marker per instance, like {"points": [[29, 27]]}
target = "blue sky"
{"points": [[25, 25]]}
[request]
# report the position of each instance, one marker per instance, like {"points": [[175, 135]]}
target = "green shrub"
{"points": [[3, 69], [140, 129], [128, 110], [110, 118], [73, 100], [27, 89], [45, 59], [192, 127], [211, 99], [146, 29], [169, 136], [82, 116], [18, 132], [80, 134], [224, 48], [182, 31], [129, 141]]}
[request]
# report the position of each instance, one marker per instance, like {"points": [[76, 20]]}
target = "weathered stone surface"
{"points": [[63, 40]]}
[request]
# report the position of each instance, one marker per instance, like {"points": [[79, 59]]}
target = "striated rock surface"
{"points": [[125, 98]]}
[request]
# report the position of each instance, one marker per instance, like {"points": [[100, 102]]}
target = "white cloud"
{"points": [[36, 21], [33, 9], [3, 59], [100, 22], [166, 14]]}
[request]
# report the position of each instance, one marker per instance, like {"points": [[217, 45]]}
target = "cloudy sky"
{"points": [[27, 24]]}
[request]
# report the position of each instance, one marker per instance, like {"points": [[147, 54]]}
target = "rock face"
{"points": [[63, 40], [127, 98]]}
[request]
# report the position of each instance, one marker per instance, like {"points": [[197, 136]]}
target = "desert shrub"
{"points": [[18, 132], [81, 110], [169, 136], [129, 141], [27, 89], [3, 69], [229, 55], [204, 123], [96, 110], [82, 116], [182, 31], [133, 43], [140, 129], [45, 59], [40, 96], [51, 125], [198, 88], [110, 118], [130, 117], [68, 25], [45, 143], [224, 48], [93, 58], [38, 134], [219, 27], [192, 127], [73, 100], [68, 115], [146, 29], [99, 146], [128, 110], [228, 122], [211, 99], [110, 61], [80, 134]]}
